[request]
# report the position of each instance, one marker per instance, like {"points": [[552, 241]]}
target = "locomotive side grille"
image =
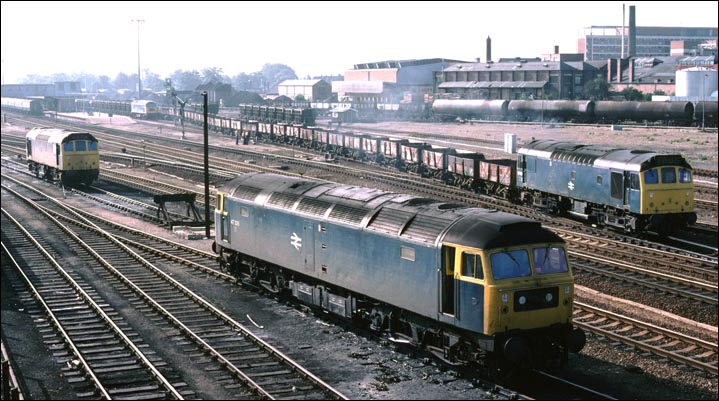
{"points": [[313, 206], [248, 193], [389, 221], [285, 201], [348, 214], [425, 228], [540, 298]]}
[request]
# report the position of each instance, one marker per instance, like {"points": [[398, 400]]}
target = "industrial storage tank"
{"points": [[696, 82], [471, 108], [680, 113], [551, 110]]}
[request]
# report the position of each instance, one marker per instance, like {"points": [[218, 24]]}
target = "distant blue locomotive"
{"points": [[628, 189], [469, 284]]}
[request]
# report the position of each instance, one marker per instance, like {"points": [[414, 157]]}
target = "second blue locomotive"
{"points": [[469, 284]]}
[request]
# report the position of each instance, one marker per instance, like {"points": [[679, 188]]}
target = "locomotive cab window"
{"points": [[67, 147], [510, 264], [80, 146], [669, 175], [651, 176], [92, 145], [549, 260], [472, 266], [634, 181], [685, 175]]}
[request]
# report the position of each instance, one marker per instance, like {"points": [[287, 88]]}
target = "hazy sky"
{"points": [[313, 38]]}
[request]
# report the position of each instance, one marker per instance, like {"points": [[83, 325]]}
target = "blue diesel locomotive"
{"points": [[632, 190], [468, 284]]}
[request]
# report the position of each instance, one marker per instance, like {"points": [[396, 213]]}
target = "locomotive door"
{"points": [[447, 280], [632, 195]]}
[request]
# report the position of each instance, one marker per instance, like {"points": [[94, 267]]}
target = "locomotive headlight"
{"points": [[687, 194], [522, 300], [651, 194], [566, 290], [505, 298], [548, 297]]}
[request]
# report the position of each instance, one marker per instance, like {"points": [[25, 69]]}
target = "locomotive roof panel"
{"points": [[56, 135], [488, 229], [639, 160], [599, 156], [413, 218]]}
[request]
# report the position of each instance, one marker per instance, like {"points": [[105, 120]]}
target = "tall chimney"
{"points": [[623, 31], [489, 49], [632, 32], [556, 49]]}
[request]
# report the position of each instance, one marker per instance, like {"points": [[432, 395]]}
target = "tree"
{"points": [[214, 75], [186, 80], [124, 81], [631, 93], [597, 89], [274, 74], [153, 81]]}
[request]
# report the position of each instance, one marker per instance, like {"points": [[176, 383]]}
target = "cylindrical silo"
{"points": [[696, 82]]}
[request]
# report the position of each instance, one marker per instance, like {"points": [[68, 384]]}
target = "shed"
{"points": [[310, 89], [343, 115]]}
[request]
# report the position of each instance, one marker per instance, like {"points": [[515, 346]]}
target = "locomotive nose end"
{"points": [[576, 340], [517, 351]]}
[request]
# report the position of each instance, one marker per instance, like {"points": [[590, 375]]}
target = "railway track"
{"points": [[254, 365], [88, 333], [677, 347], [191, 169]]}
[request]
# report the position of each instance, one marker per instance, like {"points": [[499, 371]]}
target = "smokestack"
{"points": [[623, 31], [632, 32], [556, 49], [489, 49]]}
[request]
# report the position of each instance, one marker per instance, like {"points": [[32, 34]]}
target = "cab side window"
{"points": [[472, 266]]}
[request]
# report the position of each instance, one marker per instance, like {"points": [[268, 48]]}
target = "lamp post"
{"points": [[139, 82]]}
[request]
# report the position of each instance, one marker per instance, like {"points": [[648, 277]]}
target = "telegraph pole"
{"points": [[207, 169]]}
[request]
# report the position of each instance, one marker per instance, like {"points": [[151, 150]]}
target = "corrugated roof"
{"points": [[300, 82], [509, 66], [493, 84], [402, 63]]}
